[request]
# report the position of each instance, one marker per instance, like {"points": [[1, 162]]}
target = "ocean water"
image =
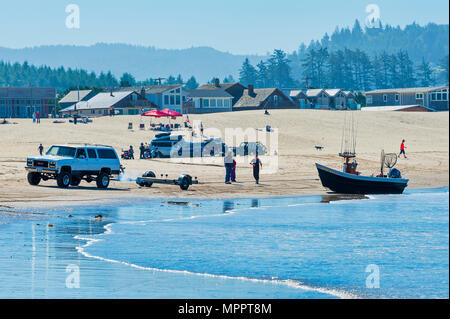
{"points": [[384, 246]]}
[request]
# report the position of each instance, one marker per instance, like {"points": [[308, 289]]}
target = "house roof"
{"points": [[28, 92], [333, 92], [152, 89], [314, 92], [348, 93], [390, 108], [254, 100], [296, 93], [223, 86], [72, 96], [102, 100], [208, 93], [408, 90]]}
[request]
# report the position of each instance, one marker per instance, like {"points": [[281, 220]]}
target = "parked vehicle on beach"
{"points": [[70, 164], [249, 148], [177, 145]]}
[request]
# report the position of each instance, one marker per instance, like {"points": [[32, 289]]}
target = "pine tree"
{"points": [[247, 73], [425, 73], [191, 84]]}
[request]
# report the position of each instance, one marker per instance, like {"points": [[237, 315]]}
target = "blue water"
{"points": [[261, 248]]}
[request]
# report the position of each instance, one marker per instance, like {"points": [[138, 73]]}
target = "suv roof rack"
{"points": [[90, 144]]}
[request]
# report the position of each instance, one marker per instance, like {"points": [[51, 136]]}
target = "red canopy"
{"points": [[171, 113], [155, 113]]}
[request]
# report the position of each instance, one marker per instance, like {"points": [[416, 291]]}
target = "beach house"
{"points": [[433, 98], [299, 97], [24, 101], [270, 98], [207, 101], [234, 89], [113, 102], [318, 99]]}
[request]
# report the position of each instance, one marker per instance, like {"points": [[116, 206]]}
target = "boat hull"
{"points": [[341, 182]]}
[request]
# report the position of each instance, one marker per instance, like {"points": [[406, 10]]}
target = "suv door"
{"points": [[94, 163], [81, 160]]}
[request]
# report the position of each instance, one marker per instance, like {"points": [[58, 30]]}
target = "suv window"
{"points": [[106, 154], [91, 153], [81, 152]]}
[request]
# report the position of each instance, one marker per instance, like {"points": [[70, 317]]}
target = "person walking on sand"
{"points": [[228, 161], [402, 149], [257, 164], [41, 149], [38, 117]]}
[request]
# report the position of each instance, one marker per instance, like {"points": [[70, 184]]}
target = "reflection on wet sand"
{"points": [[336, 197]]}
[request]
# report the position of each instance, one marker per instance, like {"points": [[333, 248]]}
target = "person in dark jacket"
{"points": [[41, 149], [141, 151], [257, 165]]}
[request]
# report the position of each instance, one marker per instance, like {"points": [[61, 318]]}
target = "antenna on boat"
{"points": [[348, 141]]}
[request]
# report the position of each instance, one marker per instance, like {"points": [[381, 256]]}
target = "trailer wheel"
{"points": [[184, 181], [148, 174], [34, 178]]}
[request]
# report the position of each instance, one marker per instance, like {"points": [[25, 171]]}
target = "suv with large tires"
{"points": [[70, 164]]}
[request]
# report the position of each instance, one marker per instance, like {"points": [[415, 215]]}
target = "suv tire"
{"points": [[102, 180], [34, 178], [76, 180], [64, 179]]}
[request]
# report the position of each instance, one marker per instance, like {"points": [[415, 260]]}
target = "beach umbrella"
{"points": [[155, 113], [171, 113]]}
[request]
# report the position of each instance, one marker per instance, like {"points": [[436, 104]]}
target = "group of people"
{"points": [[36, 117], [230, 168]]}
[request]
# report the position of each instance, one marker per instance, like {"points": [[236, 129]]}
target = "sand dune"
{"points": [[426, 134]]}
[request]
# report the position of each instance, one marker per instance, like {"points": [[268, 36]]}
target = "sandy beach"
{"points": [[426, 134]]}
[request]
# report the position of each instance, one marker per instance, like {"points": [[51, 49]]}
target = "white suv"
{"points": [[69, 164]]}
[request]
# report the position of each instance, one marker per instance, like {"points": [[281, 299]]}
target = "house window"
{"points": [[419, 96], [166, 99], [384, 98], [177, 90], [369, 99], [226, 103], [205, 103], [219, 103], [441, 95], [178, 100], [172, 100], [213, 103], [397, 97]]}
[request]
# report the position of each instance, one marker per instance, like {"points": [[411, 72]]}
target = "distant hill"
{"points": [[430, 42], [142, 62]]}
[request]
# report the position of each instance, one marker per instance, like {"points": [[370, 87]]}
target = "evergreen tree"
{"points": [[425, 73], [247, 73], [126, 80], [191, 84]]}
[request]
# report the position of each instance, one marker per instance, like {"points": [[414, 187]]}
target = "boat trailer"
{"points": [[149, 178]]}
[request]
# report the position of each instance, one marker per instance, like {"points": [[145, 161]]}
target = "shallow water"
{"points": [[262, 248]]}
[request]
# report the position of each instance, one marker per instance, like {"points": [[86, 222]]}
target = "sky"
{"points": [[236, 26]]}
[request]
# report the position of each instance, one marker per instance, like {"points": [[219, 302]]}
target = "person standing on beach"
{"points": [[228, 161], [141, 150], [233, 172], [41, 149], [34, 117], [402, 149], [38, 117], [257, 164], [131, 152]]}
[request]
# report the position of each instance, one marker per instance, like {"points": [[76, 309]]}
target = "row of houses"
{"points": [[209, 98]]}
